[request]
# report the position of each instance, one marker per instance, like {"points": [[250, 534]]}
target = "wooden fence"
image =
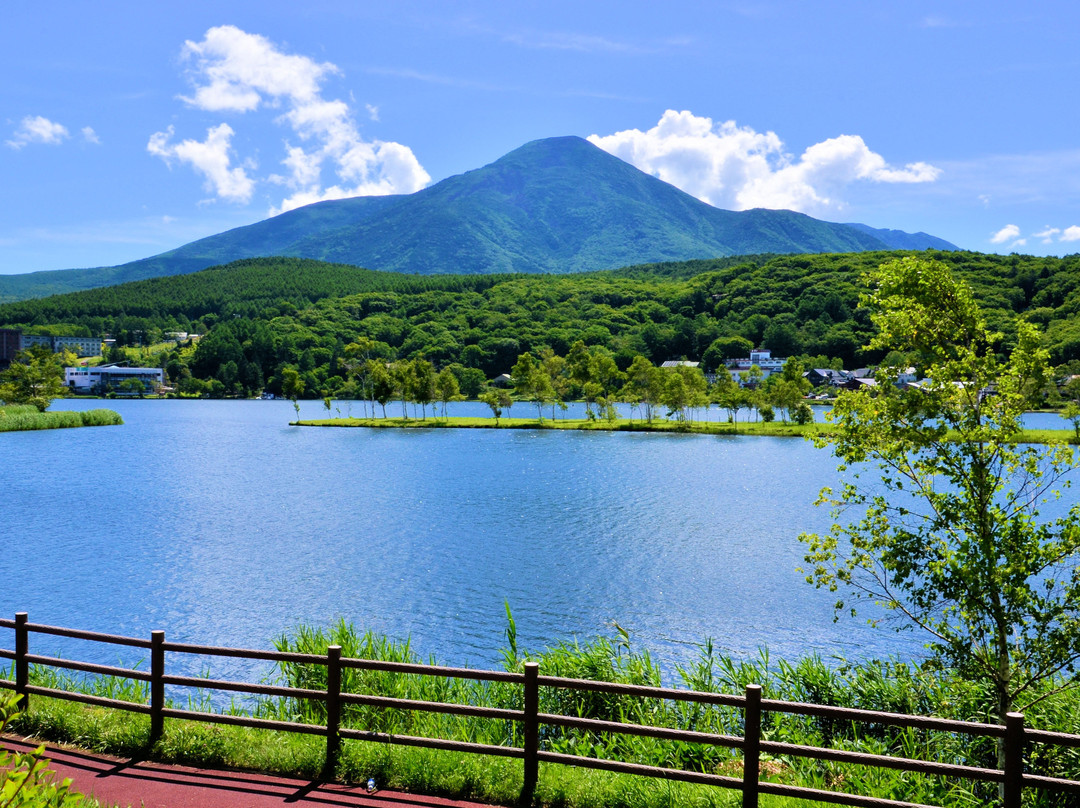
{"points": [[1013, 779]]}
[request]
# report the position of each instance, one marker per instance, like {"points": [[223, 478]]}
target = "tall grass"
{"points": [[888, 686], [19, 418]]}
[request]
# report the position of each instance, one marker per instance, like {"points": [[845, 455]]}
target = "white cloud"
{"points": [[210, 158], [739, 168], [1048, 234], [234, 71], [36, 129], [1008, 232], [1071, 233], [89, 135], [372, 111]]}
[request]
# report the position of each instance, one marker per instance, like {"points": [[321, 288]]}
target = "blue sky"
{"points": [[128, 128]]}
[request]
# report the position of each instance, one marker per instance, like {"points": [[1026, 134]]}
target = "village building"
{"points": [[80, 346], [102, 378], [762, 357]]}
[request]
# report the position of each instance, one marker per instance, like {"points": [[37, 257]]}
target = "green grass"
{"points": [[20, 418], [599, 425], [756, 428], [886, 686]]}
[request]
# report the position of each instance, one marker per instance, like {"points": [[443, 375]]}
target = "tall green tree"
{"points": [[382, 384], [422, 384], [35, 376], [401, 376], [785, 390], [292, 386], [497, 400], [523, 375], [447, 389], [554, 367], [644, 385], [952, 538]]}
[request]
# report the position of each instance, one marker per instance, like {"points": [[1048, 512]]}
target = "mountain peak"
{"points": [[555, 205]]}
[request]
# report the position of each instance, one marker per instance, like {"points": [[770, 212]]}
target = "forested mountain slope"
{"points": [[558, 205], [264, 314]]}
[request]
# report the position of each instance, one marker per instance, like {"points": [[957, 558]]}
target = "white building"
{"points": [[80, 346], [87, 379], [762, 357]]}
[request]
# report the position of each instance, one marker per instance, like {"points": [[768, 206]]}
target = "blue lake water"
{"points": [[221, 524]]}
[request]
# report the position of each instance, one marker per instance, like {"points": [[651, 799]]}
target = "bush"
{"points": [[25, 782]]}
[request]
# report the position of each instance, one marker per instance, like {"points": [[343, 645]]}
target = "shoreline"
{"points": [[722, 428]]}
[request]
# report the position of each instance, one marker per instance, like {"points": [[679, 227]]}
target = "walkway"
{"points": [[144, 784]]}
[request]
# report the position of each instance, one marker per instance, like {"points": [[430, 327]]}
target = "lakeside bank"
{"points": [[753, 428]]}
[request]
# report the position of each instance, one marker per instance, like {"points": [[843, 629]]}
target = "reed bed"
{"points": [[18, 418]]}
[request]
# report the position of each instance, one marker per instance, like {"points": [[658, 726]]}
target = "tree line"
{"points": [[262, 315], [548, 380]]}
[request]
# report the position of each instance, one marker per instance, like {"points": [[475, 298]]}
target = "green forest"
{"points": [[261, 317]]}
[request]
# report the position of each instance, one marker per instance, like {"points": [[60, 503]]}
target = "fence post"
{"points": [[157, 685], [531, 732], [333, 710], [22, 667], [1014, 760], [751, 747]]}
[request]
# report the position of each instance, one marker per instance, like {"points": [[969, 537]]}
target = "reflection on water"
{"points": [[221, 524]]}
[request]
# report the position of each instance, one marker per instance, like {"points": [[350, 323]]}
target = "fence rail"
{"points": [[1012, 778]]}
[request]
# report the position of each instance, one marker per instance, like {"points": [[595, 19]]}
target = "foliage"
{"points": [[952, 538], [25, 780], [497, 400], [261, 315], [35, 376], [292, 386]]}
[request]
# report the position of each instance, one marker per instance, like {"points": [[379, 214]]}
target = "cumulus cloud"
{"points": [[37, 129], [211, 158], [1048, 235], [736, 167], [90, 136], [1007, 233], [237, 72]]}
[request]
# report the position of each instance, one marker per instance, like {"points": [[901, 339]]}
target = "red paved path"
{"points": [[144, 784]]}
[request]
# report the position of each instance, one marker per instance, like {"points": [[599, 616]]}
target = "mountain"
{"points": [[556, 205], [899, 240]]}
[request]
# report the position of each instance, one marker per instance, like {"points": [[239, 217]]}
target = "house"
{"points": [[859, 383], [825, 377]]}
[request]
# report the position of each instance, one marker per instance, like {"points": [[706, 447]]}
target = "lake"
{"points": [[221, 524]]}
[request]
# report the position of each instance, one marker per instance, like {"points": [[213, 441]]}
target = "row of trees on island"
{"points": [[548, 380]]}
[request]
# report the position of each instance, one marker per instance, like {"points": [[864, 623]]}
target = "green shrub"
{"points": [[25, 780], [101, 417]]}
